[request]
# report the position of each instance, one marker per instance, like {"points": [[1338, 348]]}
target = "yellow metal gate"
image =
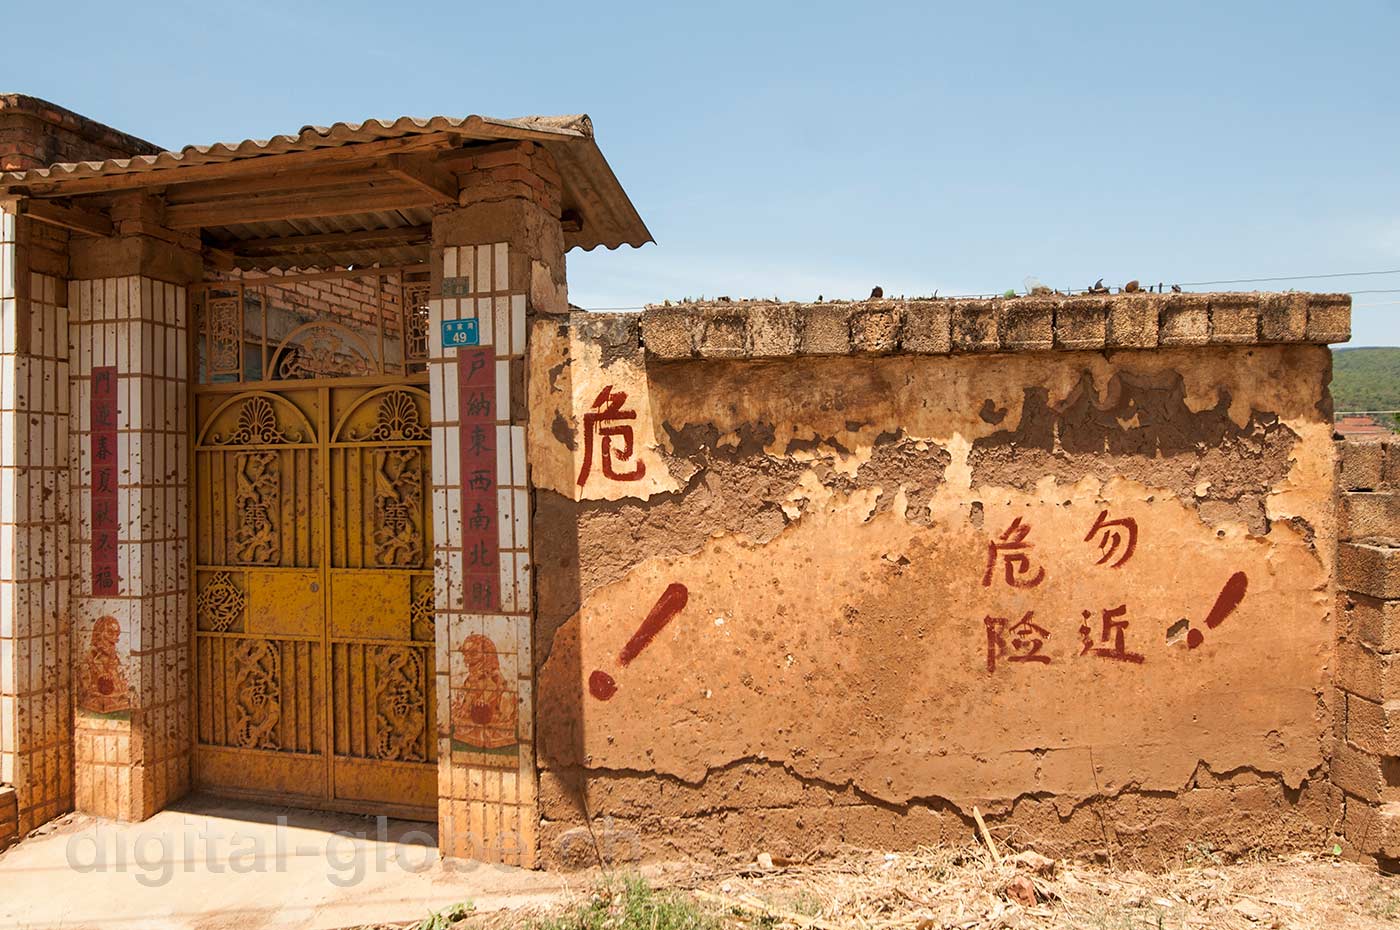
{"points": [[313, 606]]}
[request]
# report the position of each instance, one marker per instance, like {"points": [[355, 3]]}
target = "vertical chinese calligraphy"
{"points": [[476, 390], [103, 412], [607, 421]]}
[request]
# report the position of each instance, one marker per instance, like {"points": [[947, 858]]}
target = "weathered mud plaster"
{"points": [[1004, 580]]}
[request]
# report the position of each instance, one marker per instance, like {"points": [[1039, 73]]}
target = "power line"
{"points": [[1295, 277]]}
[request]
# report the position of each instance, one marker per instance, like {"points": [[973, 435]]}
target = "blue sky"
{"points": [[797, 149]]}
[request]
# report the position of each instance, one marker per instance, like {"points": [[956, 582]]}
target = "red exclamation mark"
{"points": [[1225, 604], [672, 601]]}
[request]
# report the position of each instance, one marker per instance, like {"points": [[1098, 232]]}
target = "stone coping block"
{"points": [[775, 329]]}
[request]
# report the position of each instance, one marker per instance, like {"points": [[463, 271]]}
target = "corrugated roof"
{"points": [[590, 187]]}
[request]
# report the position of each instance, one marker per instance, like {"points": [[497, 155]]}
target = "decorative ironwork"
{"points": [[323, 352], [416, 316], [257, 426], [422, 613], [400, 710], [257, 694], [224, 321], [256, 540], [398, 506], [398, 420], [220, 603], [313, 600]]}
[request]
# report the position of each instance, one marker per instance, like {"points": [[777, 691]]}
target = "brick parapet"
{"points": [[510, 170], [1365, 766], [35, 133], [770, 329]]}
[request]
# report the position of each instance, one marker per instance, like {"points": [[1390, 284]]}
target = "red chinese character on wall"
{"points": [[607, 423], [1113, 536], [1011, 548], [1111, 642], [1024, 645]]}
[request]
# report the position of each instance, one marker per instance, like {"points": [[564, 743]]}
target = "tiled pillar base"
{"points": [[131, 630], [35, 711]]}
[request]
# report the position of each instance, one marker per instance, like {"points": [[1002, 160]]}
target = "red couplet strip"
{"points": [[481, 540], [104, 503]]}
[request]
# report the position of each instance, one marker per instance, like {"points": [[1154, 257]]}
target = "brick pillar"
{"points": [[35, 711], [498, 259], [1366, 749], [129, 497]]}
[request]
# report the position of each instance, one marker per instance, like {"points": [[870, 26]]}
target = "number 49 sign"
{"points": [[460, 333]]}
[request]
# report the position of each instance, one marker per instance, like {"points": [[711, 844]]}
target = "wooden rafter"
{"points": [[334, 202], [277, 182], [329, 242], [88, 222], [426, 175]]}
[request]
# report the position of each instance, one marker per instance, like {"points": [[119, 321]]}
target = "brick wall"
{"points": [[1366, 750], [510, 170], [35, 133]]}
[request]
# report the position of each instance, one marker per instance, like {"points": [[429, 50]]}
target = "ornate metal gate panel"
{"points": [[313, 612]]}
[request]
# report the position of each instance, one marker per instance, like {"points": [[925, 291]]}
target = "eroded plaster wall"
{"points": [[786, 602]]}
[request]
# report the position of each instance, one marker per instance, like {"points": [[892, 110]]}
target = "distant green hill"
{"points": [[1366, 379]]}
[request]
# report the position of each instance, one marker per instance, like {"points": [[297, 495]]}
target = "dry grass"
{"points": [[934, 889], [943, 889]]}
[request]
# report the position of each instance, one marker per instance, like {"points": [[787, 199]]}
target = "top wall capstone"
{"points": [[767, 329]]}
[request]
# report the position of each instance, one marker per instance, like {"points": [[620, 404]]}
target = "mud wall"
{"points": [[840, 573]]}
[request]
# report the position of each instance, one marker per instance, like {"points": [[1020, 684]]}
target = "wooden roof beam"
{"points": [[251, 166], [426, 175], [329, 242], [296, 206], [73, 219]]}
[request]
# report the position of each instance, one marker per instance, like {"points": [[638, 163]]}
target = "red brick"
{"points": [[511, 156]]}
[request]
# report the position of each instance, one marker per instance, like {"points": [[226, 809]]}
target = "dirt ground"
{"points": [[963, 889]]}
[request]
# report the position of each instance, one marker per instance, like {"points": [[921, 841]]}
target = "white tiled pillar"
{"points": [[35, 709], [129, 496], [487, 808]]}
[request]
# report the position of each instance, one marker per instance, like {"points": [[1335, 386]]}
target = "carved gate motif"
{"points": [[313, 606]]}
